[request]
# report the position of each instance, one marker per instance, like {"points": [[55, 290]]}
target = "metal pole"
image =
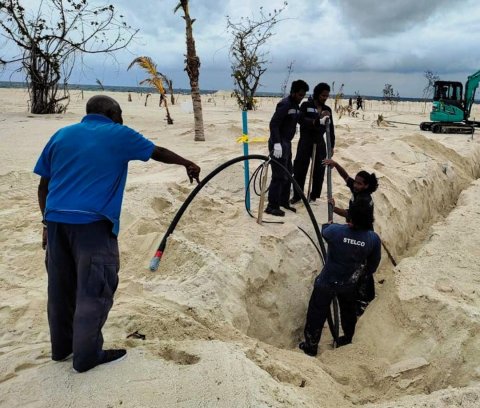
{"points": [[245, 153], [310, 181], [329, 169], [336, 308]]}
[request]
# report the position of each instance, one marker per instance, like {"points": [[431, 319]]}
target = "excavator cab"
{"points": [[451, 109], [447, 102]]}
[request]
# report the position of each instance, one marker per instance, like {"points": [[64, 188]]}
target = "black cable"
{"points": [[161, 248], [334, 322], [257, 175], [315, 245], [159, 253]]}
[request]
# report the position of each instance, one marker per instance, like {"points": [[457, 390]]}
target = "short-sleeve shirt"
{"points": [[348, 250], [362, 196], [87, 164]]}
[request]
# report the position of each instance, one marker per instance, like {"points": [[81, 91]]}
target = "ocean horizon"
{"points": [[145, 89]]}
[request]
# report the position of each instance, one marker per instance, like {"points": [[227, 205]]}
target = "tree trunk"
{"points": [[197, 113], [193, 71], [170, 89], [169, 118], [43, 82], [44, 97]]}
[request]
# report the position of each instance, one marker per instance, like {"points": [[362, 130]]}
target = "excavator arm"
{"points": [[470, 87]]}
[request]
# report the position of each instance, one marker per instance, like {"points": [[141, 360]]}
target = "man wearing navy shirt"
{"points": [[83, 171], [353, 250], [282, 130]]}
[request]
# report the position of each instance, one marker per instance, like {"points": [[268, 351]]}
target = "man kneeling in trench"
{"points": [[353, 250]]}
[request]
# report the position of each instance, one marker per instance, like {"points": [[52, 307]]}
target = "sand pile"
{"points": [[223, 314]]}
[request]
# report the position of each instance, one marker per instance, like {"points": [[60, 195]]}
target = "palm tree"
{"points": [[192, 66], [155, 80]]}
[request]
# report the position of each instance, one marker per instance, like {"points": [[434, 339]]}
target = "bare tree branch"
{"points": [[49, 42], [248, 61]]}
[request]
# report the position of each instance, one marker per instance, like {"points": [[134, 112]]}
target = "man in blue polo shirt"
{"points": [[83, 171], [353, 251]]}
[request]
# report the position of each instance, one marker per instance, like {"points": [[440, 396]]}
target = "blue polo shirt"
{"points": [[87, 165], [348, 249]]}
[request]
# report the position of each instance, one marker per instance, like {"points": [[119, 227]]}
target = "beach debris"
{"points": [[406, 365], [382, 122], [137, 335]]}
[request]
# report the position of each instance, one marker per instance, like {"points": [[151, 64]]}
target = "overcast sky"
{"points": [[361, 43]]}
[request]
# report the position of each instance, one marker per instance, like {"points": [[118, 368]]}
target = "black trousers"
{"points": [[280, 185], [366, 288], [318, 310], [302, 161], [83, 263]]}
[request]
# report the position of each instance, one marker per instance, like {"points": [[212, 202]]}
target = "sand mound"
{"points": [[223, 314]]}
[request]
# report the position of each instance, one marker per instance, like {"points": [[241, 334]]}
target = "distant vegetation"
{"points": [[50, 37], [428, 90], [390, 95]]}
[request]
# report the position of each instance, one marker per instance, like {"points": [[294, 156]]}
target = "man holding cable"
{"points": [[353, 251]]}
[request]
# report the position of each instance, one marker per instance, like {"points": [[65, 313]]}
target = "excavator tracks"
{"points": [[448, 128]]}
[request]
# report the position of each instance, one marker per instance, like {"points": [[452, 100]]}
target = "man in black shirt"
{"points": [[312, 129]]}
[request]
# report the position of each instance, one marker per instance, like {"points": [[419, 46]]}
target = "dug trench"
{"points": [[417, 336]]}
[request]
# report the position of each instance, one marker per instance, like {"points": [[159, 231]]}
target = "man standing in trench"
{"points": [[83, 171], [353, 250]]}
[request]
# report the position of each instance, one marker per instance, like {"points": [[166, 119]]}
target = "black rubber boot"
{"points": [[290, 208], [275, 211], [308, 350], [295, 200], [343, 341]]}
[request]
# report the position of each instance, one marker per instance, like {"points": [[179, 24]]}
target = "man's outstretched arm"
{"points": [[163, 155], [343, 173]]}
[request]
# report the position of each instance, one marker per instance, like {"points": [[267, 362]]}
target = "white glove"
{"points": [[323, 120], [277, 150]]}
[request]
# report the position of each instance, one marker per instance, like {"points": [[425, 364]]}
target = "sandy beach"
{"points": [[224, 313]]}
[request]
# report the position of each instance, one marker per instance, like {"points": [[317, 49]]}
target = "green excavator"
{"points": [[451, 111]]}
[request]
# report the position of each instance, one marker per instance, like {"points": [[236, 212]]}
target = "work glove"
{"points": [[277, 150]]}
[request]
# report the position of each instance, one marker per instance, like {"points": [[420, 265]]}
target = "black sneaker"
{"points": [[62, 358], [275, 211], [111, 356], [295, 200], [289, 207], [309, 351]]}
